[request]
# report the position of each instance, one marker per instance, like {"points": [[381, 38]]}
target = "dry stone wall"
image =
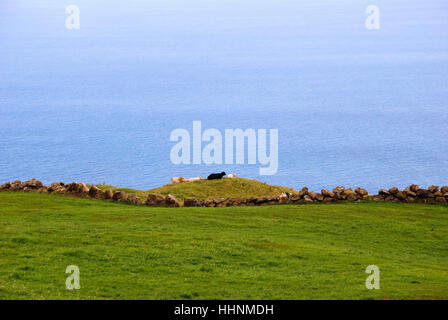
{"points": [[411, 194]]}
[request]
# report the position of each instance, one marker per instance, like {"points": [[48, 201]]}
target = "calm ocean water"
{"points": [[353, 107]]}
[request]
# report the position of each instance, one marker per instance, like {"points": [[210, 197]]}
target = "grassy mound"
{"points": [[273, 252], [207, 189]]}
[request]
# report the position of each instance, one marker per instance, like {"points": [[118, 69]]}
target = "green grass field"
{"points": [[273, 252]]}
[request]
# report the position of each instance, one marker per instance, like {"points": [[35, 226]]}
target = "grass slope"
{"points": [[207, 189], [279, 252]]}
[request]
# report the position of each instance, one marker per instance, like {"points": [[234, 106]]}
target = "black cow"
{"points": [[216, 176]]}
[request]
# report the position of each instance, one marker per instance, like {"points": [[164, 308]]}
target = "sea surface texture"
{"points": [[352, 106]]}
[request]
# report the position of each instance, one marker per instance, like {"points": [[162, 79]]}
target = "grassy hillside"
{"points": [[282, 252], [207, 189]]}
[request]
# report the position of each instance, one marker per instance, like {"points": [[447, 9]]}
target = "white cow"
{"points": [[194, 179], [232, 175]]}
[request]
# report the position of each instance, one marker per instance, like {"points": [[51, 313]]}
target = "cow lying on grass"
{"points": [[178, 180], [216, 176], [182, 179]]}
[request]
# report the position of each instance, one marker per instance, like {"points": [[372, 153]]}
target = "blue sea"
{"points": [[352, 106]]}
